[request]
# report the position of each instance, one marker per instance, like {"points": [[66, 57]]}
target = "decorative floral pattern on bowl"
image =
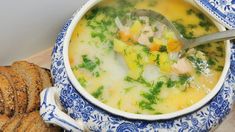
{"points": [[222, 10], [96, 119]]}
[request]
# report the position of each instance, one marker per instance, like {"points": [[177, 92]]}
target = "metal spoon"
{"points": [[186, 43]]}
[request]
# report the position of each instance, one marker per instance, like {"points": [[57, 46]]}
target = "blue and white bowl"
{"points": [[71, 107], [222, 10]]}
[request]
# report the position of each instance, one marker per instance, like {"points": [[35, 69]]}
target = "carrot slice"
{"points": [[155, 47], [124, 36], [174, 46]]}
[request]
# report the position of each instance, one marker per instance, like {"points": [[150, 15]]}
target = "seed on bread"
{"points": [[30, 73], [8, 95], [19, 86], [12, 124]]}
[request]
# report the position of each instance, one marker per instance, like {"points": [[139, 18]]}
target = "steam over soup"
{"points": [[135, 66]]}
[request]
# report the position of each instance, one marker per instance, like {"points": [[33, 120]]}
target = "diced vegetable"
{"points": [[119, 45], [173, 45], [182, 66], [136, 28], [133, 55], [169, 35], [155, 47], [98, 92], [125, 36], [164, 62]]}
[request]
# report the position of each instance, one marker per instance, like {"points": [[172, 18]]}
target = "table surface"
{"points": [[43, 59]]}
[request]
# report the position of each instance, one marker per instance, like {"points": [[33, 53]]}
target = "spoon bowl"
{"points": [[186, 43]]}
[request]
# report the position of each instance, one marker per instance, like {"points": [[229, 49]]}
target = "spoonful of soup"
{"points": [[146, 38], [183, 43]]}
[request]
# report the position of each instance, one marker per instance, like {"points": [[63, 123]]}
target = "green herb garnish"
{"points": [[163, 48], [170, 83], [151, 96], [183, 79], [140, 80], [82, 81], [98, 92], [89, 64]]}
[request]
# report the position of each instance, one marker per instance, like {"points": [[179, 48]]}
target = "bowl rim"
{"points": [[77, 17]]}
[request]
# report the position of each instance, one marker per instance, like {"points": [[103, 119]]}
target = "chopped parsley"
{"points": [[128, 89], [183, 79], [170, 83], [145, 105], [210, 62], [199, 64], [182, 29], [158, 59], [90, 65], [140, 80], [190, 11], [151, 39], [204, 21], [98, 92], [82, 81], [219, 68], [151, 96], [163, 48]]}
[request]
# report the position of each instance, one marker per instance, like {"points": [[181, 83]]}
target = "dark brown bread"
{"points": [[27, 121], [1, 103], [49, 74], [30, 73], [38, 125], [7, 95], [45, 77], [12, 124], [19, 86], [3, 120]]}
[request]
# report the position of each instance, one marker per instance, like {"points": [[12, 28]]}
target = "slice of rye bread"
{"points": [[30, 73], [7, 95], [1, 103], [27, 121], [45, 77], [3, 120], [12, 124], [19, 86], [38, 125], [49, 74]]}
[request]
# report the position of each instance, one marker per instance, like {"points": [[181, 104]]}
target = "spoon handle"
{"points": [[225, 35]]}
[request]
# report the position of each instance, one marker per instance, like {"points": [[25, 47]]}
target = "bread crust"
{"points": [[12, 124], [3, 120], [30, 73], [8, 95], [38, 125], [19, 86], [45, 77], [1, 103], [27, 121]]}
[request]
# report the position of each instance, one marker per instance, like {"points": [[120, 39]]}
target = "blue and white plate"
{"points": [[95, 119], [222, 10]]}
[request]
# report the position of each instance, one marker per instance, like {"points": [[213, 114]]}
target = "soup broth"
{"points": [[135, 66]]}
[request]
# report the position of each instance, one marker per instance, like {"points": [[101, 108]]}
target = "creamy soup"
{"points": [[133, 63]]}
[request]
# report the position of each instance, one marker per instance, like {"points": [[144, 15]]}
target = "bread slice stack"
{"points": [[30, 122], [20, 87]]}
